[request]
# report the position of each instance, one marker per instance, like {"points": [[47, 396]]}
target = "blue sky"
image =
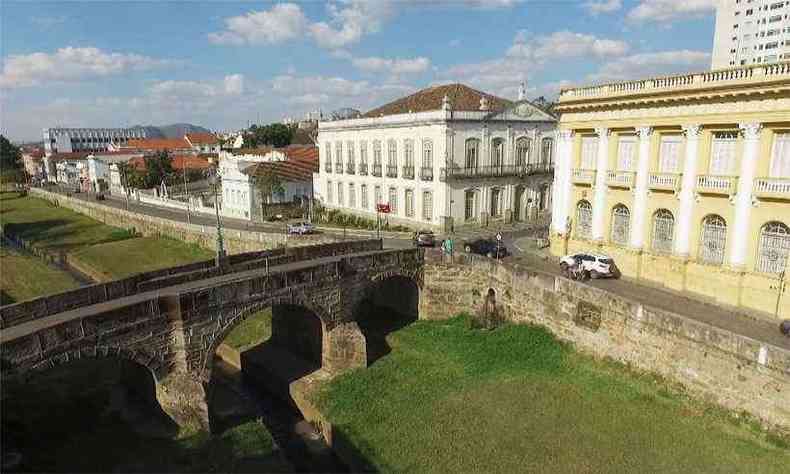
{"points": [[221, 64]]}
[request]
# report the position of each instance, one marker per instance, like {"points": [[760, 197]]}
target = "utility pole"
{"points": [[186, 191], [782, 285], [215, 181]]}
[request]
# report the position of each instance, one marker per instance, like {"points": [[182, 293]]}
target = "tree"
{"points": [[268, 184], [158, 168], [130, 177], [275, 134], [10, 159], [544, 104]]}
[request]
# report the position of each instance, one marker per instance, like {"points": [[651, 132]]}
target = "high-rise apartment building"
{"points": [[751, 32]]}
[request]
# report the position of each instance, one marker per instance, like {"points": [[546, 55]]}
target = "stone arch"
{"points": [[388, 302]]}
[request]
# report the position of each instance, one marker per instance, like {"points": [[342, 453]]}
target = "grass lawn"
{"points": [[23, 277], [451, 399], [120, 259], [251, 332], [52, 228]]}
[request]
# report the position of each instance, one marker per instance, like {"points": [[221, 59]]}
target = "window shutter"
{"points": [[670, 151], [625, 153], [589, 152], [780, 161], [722, 158]]}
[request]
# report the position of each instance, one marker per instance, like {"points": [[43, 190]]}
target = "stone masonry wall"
{"points": [[731, 370]]}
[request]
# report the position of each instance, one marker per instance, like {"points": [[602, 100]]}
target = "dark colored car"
{"points": [[488, 247], [424, 238]]}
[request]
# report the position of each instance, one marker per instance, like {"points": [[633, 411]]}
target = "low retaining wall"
{"points": [[729, 369], [235, 241]]}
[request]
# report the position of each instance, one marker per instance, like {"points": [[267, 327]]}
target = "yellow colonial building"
{"points": [[683, 180]]}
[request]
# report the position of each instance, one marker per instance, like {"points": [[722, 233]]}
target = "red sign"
{"points": [[385, 208]]}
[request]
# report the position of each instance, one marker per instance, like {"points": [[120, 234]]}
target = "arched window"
{"points": [[713, 240], [547, 151], [773, 248], [497, 152], [621, 224], [663, 230], [584, 219], [427, 154], [472, 152], [522, 151]]}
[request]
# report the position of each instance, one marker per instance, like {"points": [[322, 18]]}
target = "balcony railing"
{"points": [[426, 173], [328, 167], [620, 179], [488, 171], [338, 167], [408, 172], [351, 168], [713, 184], [363, 169], [376, 170], [392, 171], [772, 188], [580, 176], [663, 181]]}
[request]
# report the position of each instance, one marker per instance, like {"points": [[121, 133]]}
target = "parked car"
{"points": [[598, 266], [300, 228], [424, 238], [488, 247]]}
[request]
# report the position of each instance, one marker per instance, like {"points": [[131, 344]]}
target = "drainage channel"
{"points": [[301, 444], [58, 263]]}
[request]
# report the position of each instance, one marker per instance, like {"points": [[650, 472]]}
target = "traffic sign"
{"points": [[384, 208]]}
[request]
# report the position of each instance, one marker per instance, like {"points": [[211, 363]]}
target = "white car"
{"points": [[597, 265], [301, 228]]}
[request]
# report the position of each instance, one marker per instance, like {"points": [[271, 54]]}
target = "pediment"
{"points": [[524, 111]]}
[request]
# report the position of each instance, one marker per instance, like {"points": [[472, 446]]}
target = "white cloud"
{"points": [[666, 11], [283, 22], [349, 22], [646, 65], [454, 43], [597, 7], [332, 92], [565, 44], [71, 64], [396, 66], [197, 92]]}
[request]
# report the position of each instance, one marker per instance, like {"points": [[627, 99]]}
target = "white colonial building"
{"points": [[444, 156], [67, 140], [293, 165]]}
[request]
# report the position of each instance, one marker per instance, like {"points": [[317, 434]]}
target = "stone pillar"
{"points": [[344, 348], [562, 181], [183, 397], [687, 194], [599, 199], [743, 200], [640, 189]]}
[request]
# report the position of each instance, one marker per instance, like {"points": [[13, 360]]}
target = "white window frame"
{"points": [[723, 149], [780, 156], [472, 153], [713, 239], [408, 196], [663, 219], [589, 156], [427, 206], [626, 153], [583, 219], [773, 247], [620, 231], [523, 146], [393, 199], [363, 196], [669, 154]]}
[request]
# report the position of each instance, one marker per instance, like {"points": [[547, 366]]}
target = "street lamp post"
{"points": [[186, 192], [214, 180]]}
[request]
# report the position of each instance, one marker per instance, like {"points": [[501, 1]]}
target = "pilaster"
{"points": [[743, 199], [640, 188], [599, 199], [687, 193], [562, 183]]}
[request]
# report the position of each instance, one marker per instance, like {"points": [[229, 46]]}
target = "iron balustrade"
{"points": [[376, 170], [494, 171], [338, 167], [408, 172], [351, 168], [426, 173], [363, 169], [392, 171]]}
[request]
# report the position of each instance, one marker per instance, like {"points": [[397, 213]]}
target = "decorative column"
{"points": [[562, 181], [640, 188], [743, 200], [687, 194], [599, 200]]}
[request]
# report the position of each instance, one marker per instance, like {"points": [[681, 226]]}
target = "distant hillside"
{"points": [[176, 130]]}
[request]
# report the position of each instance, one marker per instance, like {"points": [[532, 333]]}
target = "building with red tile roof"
{"points": [[203, 142], [158, 144]]}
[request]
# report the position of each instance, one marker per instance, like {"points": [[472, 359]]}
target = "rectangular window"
{"points": [[775, 18], [327, 157], [393, 200], [589, 153], [352, 196], [409, 203], [392, 153], [330, 192], [408, 152], [780, 156], [363, 152], [351, 159], [722, 153], [377, 195], [363, 196], [626, 153], [427, 206], [340, 194], [669, 158]]}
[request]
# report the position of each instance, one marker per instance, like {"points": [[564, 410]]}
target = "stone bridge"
{"points": [[171, 321]]}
